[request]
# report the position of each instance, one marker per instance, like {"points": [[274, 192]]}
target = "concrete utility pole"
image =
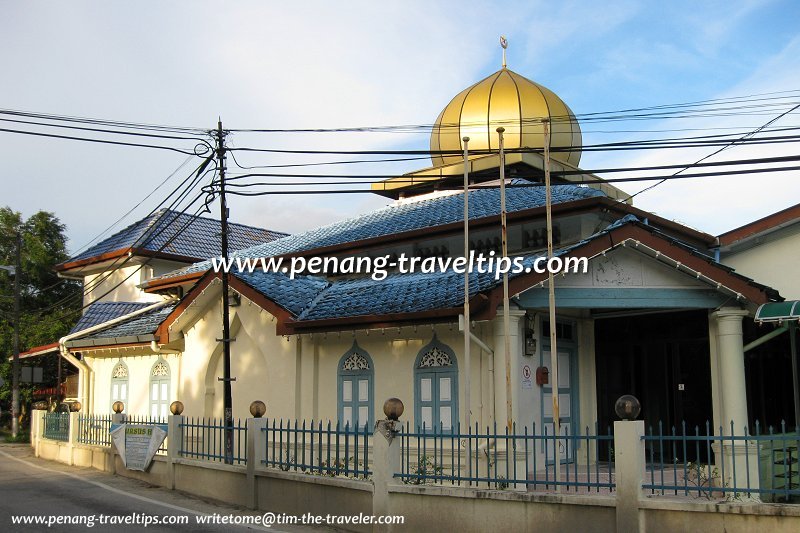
{"points": [[551, 299], [504, 254], [226, 331], [15, 271]]}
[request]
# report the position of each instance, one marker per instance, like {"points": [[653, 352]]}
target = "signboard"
{"points": [[137, 443], [31, 374], [526, 377]]}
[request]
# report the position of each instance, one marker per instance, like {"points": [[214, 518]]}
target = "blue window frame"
{"points": [[355, 391], [436, 388]]}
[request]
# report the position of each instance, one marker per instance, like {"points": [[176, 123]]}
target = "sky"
{"points": [[343, 64]]}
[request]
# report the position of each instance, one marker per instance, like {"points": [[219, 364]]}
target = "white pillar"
{"points": [[730, 359], [519, 413], [515, 317], [256, 454], [730, 394], [386, 463], [174, 444], [629, 468]]}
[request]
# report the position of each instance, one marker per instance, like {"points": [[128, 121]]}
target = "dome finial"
{"points": [[504, 45]]}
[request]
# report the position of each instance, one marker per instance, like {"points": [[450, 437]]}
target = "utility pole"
{"points": [[15, 363], [551, 300], [15, 271], [504, 253], [226, 328]]}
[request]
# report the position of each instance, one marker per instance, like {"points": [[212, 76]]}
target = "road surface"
{"points": [[31, 487]]}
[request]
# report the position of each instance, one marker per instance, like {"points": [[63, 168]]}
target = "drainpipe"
{"points": [[84, 371], [158, 349]]}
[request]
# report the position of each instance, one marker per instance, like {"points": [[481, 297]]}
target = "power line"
{"points": [[746, 136]]}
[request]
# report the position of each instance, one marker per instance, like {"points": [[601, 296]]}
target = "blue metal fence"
{"points": [[508, 458], [317, 448], [204, 438], [94, 429], [695, 461], [56, 426]]}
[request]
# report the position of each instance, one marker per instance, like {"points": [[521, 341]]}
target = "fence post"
{"points": [[116, 418], [72, 435], [629, 468], [386, 457], [37, 429], [174, 444], [256, 449]]}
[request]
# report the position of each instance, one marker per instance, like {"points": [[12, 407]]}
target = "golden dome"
{"points": [[505, 99]]}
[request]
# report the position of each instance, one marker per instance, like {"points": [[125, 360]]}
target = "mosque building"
{"points": [[656, 314]]}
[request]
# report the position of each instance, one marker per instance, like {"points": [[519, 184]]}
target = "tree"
{"points": [[49, 305]]}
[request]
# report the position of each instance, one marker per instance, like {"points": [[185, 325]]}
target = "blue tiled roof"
{"points": [[293, 295], [179, 234], [314, 298], [144, 324], [408, 216], [100, 312]]}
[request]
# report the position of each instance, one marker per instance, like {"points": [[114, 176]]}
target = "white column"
{"points": [[515, 316], [731, 388], [629, 469], [730, 395], [256, 453], [386, 463]]}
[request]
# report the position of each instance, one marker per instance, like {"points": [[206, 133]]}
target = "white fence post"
{"points": [[73, 435], [116, 418], [629, 468], [256, 454], [37, 430], [174, 444], [386, 455]]}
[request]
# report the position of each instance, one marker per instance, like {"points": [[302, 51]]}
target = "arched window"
{"points": [[355, 388], [159, 389], [119, 384], [436, 388]]}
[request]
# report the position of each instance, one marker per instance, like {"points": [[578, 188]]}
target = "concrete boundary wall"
{"points": [[426, 507]]}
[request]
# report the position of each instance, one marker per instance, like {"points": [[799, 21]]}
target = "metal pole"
{"points": [[504, 253], [226, 333], [467, 355], [551, 297], [15, 363]]}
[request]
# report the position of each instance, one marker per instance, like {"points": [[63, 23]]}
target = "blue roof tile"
{"points": [[100, 312], [144, 324], [408, 216], [315, 298], [175, 233]]}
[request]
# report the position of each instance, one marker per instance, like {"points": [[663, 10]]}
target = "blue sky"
{"points": [[325, 64]]}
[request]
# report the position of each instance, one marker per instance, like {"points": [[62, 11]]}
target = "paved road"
{"points": [[31, 486]]}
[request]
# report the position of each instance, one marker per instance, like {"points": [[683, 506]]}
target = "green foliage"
{"points": [[49, 306], [426, 467]]}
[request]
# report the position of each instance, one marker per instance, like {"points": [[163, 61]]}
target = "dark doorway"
{"points": [[662, 359], [770, 391]]}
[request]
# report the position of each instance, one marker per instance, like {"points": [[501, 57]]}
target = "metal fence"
{"points": [[318, 448], [56, 426], [149, 421], [508, 458], [204, 438], [694, 461], [94, 430]]}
